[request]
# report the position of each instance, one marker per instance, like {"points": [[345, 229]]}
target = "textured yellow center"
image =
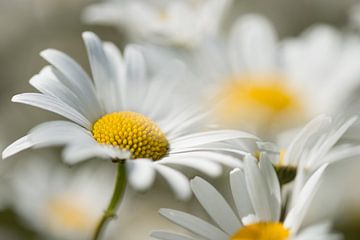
{"points": [[64, 213], [258, 99], [262, 231], [133, 132]]}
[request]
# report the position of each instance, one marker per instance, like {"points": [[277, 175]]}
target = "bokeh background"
{"points": [[29, 26]]}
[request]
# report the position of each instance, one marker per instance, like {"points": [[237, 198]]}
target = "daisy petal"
{"points": [[257, 188], [163, 235], [177, 181], [240, 193], [52, 104], [297, 214], [194, 224], [75, 77], [141, 174], [17, 146], [215, 205], [104, 77], [197, 139]]}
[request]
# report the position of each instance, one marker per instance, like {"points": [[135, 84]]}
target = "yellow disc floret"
{"points": [[262, 231], [133, 132]]}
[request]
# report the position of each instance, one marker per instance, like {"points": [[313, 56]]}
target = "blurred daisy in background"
{"points": [[59, 202], [266, 86], [260, 214], [124, 115], [315, 144], [180, 23]]}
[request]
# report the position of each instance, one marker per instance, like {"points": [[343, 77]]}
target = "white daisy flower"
{"points": [[182, 23], [257, 197], [316, 144], [123, 115], [59, 202], [266, 86]]}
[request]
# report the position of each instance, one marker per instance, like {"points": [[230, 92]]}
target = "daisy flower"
{"points": [[123, 115], [59, 202], [317, 143], [257, 196], [181, 23], [266, 86]]}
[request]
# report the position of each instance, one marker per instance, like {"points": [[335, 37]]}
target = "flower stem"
{"points": [[118, 193]]}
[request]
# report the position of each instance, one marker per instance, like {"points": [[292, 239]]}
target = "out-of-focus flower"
{"points": [[257, 196], [112, 118], [182, 23], [312, 147], [59, 202], [267, 86]]}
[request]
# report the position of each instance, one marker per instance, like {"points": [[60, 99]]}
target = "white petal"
{"points": [[17, 146], [136, 76], [118, 67], [253, 44], [52, 104], [104, 77], [258, 189], [141, 173], [273, 184], [197, 139], [240, 193], [296, 146], [163, 235], [75, 77], [297, 214], [177, 181], [200, 164], [215, 205], [194, 224]]}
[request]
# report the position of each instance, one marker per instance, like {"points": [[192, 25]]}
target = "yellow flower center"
{"points": [[133, 132], [65, 213], [262, 231], [259, 100]]}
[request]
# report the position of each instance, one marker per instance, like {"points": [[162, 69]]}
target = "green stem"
{"points": [[118, 193]]}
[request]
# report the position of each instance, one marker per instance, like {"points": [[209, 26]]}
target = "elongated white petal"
{"points": [[258, 189], [163, 235], [17, 146], [50, 85], [117, 64], [301, 205], [197, 139], [52, 104], [81, 151], [200, 164], [135, 73], [141, 173], [48, 134], [177, 181], [194, 224], [296, 146], [240, 193], [75, 77], [253, 44], [104, 77], [215, 205], [271, 178]]}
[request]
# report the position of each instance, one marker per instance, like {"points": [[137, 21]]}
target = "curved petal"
{"points": [[194, 224], [177, 181], [215, 205], [141, 173], [52, 104], [163, 235]]}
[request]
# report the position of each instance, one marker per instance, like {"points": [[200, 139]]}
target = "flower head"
{"points": [[123, 115], [180, 23], [257, 196], [268, 86]]}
